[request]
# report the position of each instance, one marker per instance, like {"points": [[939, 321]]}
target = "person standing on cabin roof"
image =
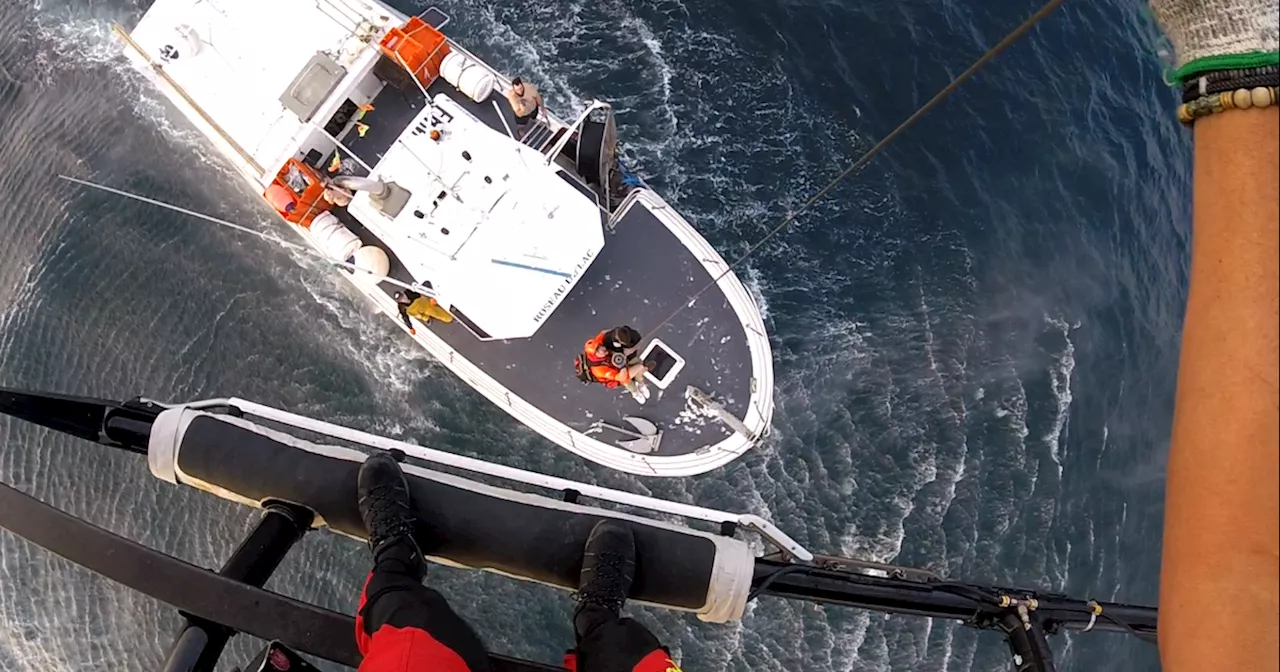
{"points": [[404, 626], [413, 304], [525, 101]]}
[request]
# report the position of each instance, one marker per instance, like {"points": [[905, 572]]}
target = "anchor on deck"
{"points": [[645, 436]]}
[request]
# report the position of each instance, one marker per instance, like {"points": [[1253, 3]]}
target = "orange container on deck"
{"points": [[418, 47], [297, 193]]}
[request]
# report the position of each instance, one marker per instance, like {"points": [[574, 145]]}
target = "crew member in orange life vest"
{"points": [[610, 357]]}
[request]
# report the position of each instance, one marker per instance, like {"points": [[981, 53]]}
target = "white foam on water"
{"points": [[1012, 410], [1060, 383], [756, 284], [948, 645], [363, 330], [75, 37], [1102, 450], [1064, 565], [630, 22], [71, 38]]}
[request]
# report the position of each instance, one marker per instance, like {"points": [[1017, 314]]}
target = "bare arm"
{"points": [[1221, 566]]}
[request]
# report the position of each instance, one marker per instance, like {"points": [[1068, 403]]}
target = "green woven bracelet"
{"points": [[1249, 59]]}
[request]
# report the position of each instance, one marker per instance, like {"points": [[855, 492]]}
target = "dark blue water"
{"points": [[975, 336]]}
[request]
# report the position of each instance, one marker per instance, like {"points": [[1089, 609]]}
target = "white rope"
{"points": [[265, 236]]}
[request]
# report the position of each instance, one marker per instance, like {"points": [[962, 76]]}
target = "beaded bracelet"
{"points": [[1240, 99], [1230, 80]]}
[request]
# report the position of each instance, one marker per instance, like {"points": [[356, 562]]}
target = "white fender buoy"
{"points": [[374, 260]]}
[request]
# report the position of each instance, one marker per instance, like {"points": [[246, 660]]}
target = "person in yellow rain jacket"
{"points": [[415, 305]]}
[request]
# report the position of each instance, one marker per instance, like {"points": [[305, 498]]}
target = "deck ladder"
{"points": [[538, 137]]}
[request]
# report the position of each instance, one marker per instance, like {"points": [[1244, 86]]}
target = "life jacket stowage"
{"points": [[280, 198]]}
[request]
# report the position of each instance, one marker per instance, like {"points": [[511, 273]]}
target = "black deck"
{"points": [[643, 273]]}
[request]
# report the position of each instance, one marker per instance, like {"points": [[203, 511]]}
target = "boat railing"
{"points": [[570, 130], [344, 14]]}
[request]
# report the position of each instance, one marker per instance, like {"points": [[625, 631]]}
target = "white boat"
{"points": [[388, 146]]}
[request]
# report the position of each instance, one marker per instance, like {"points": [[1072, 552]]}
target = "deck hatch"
{"points": [[308, 91], [667, 363]]}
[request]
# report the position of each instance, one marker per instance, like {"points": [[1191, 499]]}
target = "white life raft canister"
{"points": [[474, 80]]}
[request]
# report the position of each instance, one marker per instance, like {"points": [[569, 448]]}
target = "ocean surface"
{"points": [[975, 336]]}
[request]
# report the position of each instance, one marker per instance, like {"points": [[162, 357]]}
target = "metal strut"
{"points": [[1027, 642], [211, 600], [1024, 621], [200, 643]]}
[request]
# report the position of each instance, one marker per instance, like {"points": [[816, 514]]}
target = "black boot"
{"points": [[385, 509], [608, 568]]}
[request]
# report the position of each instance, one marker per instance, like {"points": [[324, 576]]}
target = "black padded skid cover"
{"points": [[460, 522]]}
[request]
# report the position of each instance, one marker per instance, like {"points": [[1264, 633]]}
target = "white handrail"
{"points": [[568, 132]]}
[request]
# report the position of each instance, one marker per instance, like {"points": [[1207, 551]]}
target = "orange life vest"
{"points": [[592, 369]]}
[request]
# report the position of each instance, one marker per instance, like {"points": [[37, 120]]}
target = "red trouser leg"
{"points": [[404, 626], [392, 649], [611, 644]]}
